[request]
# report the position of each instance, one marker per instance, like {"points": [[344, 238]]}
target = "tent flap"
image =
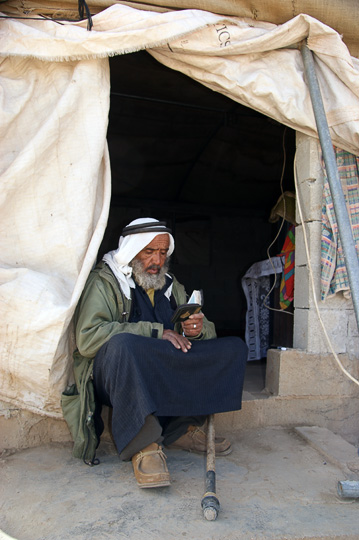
{"points": [[55, 175], [55, 191]]}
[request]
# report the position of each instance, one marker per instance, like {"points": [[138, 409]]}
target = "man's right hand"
{"points": [[178, 341]]}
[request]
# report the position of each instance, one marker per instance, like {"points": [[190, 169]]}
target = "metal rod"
{"points": [[348, 489], [344, 226]]}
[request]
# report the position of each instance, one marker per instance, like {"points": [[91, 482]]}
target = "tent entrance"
{"points": [[208, 166]]}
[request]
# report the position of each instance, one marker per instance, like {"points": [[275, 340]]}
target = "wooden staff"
{"points": [[210, 503]]}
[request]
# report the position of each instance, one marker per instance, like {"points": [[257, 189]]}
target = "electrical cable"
{"points": [[39, 18], [82, 8], [279, 231], [312, 282]]}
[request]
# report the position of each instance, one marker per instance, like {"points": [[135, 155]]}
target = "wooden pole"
{"points": [[210, 503]]}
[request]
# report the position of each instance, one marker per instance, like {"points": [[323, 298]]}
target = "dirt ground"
{"points": [[274, 485]]}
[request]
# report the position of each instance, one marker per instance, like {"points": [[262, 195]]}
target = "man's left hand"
{"points": [[192, 327]]}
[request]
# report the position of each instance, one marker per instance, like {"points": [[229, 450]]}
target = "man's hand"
{"points": [[178, 341], [193, 326]]}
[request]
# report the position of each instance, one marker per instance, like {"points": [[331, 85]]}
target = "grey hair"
{"points": [[149, 281]]}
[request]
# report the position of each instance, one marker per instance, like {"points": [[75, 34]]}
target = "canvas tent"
{"points": [[339, 15], [55, 169]]}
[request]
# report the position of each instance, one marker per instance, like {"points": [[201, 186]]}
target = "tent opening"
{"points": [[212, 169]]}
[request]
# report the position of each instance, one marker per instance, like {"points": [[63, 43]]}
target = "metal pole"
{"points": [[348, 489], [344, 226]]}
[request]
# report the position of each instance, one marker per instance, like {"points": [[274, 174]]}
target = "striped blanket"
{"points": [[334, 276]]}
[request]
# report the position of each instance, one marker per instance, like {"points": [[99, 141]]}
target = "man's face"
{"points": [[154, 255]]}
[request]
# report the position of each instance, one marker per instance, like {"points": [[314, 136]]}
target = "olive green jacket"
{"points": [[102, 312]]}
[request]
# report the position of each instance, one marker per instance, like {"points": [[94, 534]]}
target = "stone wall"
{"points": [[336, 312]]}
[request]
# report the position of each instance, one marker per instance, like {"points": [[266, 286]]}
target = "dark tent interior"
{"points": [[211, 168]]}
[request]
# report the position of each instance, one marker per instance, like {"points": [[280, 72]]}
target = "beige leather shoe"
{"points": [[150, 468], [195, 440]]}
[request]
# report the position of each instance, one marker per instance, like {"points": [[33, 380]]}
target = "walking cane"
{"points": [[210, 503]]}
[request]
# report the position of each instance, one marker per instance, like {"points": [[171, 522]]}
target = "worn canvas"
{"points": [[55, 172]]}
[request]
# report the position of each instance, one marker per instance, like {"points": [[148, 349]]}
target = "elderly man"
{"points": [[160, 379]]}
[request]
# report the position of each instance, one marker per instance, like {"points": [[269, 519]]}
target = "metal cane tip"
{"points": [[210, 514]]}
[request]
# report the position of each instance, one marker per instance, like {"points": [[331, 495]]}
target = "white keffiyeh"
{"points": [[128, 247]]}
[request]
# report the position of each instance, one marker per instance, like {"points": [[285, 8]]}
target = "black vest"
{"points": [[161, 312]]}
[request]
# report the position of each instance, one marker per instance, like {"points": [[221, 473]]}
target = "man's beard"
{"points": [[149, 281]]}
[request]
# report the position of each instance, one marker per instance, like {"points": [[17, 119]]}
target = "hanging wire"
{"points": [[38, 18], [279, 231], [82, 8]]}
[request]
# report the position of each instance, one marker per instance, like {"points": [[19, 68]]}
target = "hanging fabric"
{"points": [[334, 276], [286, 290]]}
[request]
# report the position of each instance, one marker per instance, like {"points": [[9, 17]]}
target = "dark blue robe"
{"points": [[138, 376]]}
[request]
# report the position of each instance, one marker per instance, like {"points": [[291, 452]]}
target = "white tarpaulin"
{"points": [[55, 177], [55, 192], [343, 16]]}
